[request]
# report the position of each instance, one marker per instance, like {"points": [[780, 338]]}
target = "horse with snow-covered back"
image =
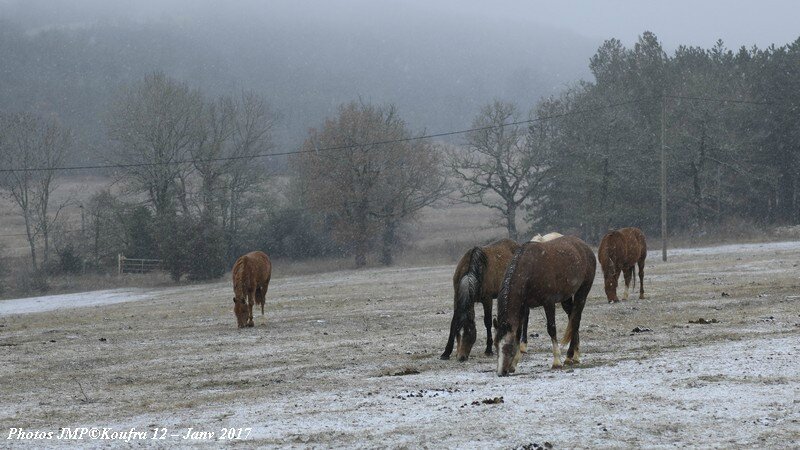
{"points": [[523, 345], [543, 274], [477, 279]]}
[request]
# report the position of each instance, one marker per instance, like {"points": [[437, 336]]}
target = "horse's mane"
{"points": [[502, 297]]}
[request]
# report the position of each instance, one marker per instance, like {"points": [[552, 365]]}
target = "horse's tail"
{"points": [[633, 272], [469, 287], [568, 332]]}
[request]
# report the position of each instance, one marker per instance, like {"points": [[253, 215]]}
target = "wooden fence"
{"points": [[137, 265]]}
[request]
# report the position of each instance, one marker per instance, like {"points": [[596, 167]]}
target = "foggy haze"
{"points": [[678, 22], [437, 61]]}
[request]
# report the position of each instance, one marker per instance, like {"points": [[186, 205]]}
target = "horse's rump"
{"points": [[477, 278], [622, 248], [251, 273]]}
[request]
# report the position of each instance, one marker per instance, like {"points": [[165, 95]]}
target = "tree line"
{"points": [[197, 191]]}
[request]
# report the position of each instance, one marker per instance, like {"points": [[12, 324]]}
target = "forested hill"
{"points": [[438, 68]]}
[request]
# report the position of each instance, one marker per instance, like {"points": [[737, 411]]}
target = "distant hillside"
{"points": [[437, 65]]}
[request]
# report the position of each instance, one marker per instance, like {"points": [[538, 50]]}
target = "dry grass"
{"points": [[313, 371]]}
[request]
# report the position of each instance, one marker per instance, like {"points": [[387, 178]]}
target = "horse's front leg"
{"points": [[550, 314], [487, 322], [250, 301]]}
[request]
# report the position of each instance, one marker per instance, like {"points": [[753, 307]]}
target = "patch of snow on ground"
{"points": [[79, 300], [725, 249]]}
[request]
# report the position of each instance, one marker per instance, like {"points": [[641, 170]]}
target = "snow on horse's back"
{"points": [[547, 237]]}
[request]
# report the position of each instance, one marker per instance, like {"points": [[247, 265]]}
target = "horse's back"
{"points": [[499, 255], [624, 246], [635, 235], [557, 267]]}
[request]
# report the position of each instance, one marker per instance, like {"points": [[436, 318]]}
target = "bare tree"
{"points": [[252, 135], [215, 144], [368, 189], [30, 142], [500, 166], [156, 124], [415, 179]]}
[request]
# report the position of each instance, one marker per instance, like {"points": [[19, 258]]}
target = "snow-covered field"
{"points": [[350, 359]]}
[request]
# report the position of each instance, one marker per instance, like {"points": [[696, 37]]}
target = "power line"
{"points": [[36, 234], [332, 149], [389, 141]]}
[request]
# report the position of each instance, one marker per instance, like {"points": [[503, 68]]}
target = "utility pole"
{"points": [[663, 177]]}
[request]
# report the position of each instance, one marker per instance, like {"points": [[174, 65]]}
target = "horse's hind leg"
{"points": [[263, 297], [628, 274], [550, 314], [578, 302], [641, 279], [523, 345], [487, 322]]}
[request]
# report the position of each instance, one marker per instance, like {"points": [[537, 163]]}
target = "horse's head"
{"points": [[240, 310], [506, 346], [466, 337]]}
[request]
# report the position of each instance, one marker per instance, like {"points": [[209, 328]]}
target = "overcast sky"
{"points": [[676, 22], [694, 22]]}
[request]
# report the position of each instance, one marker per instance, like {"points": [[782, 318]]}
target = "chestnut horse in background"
{"points": [[477, 279], [251, 275], [543, 274], [620, 251]]}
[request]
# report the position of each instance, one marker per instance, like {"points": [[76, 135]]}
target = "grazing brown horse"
{"points": [[523, 345], [543, 274], [477, 279], [251, 274], [621, 250]]}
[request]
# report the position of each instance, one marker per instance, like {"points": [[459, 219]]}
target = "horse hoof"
{"points": [[523, 348], [463, 358], [556, 367], [571, 362], [444, 357], [488, 353]]}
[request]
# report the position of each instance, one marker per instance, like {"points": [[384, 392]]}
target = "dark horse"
{"points": [[620, 251], [543, 274], [477, 280], [251, 274]]}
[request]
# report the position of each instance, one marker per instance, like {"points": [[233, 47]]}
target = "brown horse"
{"points": [[621, 250], [477, 279], [523, 345], [543, 274], [251, 275]]}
